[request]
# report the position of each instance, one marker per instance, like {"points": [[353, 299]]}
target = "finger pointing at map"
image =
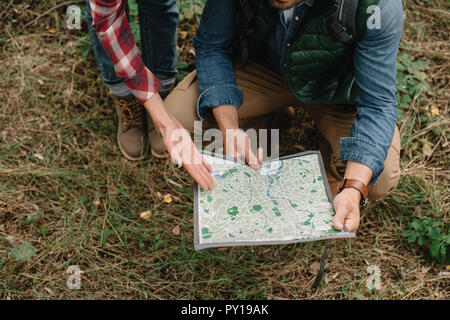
{"points": [[238, 144]]}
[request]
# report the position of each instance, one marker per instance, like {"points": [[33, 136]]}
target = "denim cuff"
{"points": [[226, 94], [364, 152], [119, 90]]}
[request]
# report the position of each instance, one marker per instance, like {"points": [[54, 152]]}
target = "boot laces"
{"points": [[132, 114]]}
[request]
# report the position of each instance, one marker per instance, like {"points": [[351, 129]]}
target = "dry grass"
{"points": [[65, 188]]}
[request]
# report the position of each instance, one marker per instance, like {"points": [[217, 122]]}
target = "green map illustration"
{"points": [[285, 201]]}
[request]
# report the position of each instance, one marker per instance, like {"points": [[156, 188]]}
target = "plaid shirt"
{"points": [[111, 24]]}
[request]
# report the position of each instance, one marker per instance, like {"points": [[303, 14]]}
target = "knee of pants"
{"points": [[387, 181], [182, 102]]}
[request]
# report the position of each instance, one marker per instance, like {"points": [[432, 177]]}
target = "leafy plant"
{"points": [[183, 71], [411, 80], [133, 21], [191, 9], [428, 234], [24, 252], [412, 90]]}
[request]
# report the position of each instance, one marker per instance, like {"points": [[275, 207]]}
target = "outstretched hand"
{"points": [[179, 144], [183, 152]]}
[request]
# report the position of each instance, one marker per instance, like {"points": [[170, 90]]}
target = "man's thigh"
{"points": [[264, 92], [335, 122], [182, 101]]}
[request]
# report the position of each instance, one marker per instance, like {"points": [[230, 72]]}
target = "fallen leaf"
{"points": [[168, 198], [314, 268], [183, 34], [146, 215], [427, 148], [159, 195], [12, 241], [96, 202], [176, 230], [39, 156], [434, 110]]}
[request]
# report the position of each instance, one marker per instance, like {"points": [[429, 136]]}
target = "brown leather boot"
{"points": [[131, 133], [157, 147]]}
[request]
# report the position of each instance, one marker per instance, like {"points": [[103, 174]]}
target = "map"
{"points": [[287, 200]]}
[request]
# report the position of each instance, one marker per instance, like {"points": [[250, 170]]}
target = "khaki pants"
{"points": [[266, 92]]}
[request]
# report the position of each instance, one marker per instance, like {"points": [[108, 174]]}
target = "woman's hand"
{"points": [[179, 144], [183, 152]]}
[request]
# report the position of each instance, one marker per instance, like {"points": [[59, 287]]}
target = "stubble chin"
{"points": [[284, 5]]}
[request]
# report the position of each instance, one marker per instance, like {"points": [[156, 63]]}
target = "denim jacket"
{"points": [[374, 67]]}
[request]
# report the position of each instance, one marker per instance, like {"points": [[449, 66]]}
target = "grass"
{"points": [[66, 190]]}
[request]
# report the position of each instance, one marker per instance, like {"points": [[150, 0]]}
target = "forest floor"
{"points": [[68, 193]]}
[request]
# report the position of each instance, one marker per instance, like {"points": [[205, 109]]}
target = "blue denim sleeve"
{"points": [[213, 45], [375, 74]]}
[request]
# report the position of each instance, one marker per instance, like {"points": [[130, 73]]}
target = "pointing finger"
{"points": [[207, 165], [260, 154], [250, 158]]}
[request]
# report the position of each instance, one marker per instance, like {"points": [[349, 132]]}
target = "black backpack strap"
{"points": [[244, 23], [343, 24]]}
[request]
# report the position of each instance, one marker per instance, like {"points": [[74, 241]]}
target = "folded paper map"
{"points": [[286, 201]]}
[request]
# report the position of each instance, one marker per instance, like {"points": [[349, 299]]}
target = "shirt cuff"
{"points": [[227, 94], [143, 85], [364, 152]]}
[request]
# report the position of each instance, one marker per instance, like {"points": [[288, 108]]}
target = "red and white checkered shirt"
{"points": [[114, 33]]}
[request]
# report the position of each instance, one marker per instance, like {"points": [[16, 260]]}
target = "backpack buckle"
{"points": [[340, 31]]}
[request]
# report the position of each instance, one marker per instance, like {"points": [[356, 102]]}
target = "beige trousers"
{"points": [[266, 92]]}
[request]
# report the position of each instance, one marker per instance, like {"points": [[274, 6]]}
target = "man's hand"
{"points": [[179, 144], [347, 202], [346, 205], [236, 141]]}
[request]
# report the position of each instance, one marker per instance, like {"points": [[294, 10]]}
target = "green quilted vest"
{"points": [[320, 67]]}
